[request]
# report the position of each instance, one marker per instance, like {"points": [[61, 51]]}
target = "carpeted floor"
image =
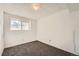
{"points": [[35, 48]]}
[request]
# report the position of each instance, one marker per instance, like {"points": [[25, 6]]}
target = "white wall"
{"points": [[75, 17], [57, 30], [15, 38], [1, 33]]}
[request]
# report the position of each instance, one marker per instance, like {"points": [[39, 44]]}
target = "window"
{"points": [[25, 26], [20, 25], [15, 25]]}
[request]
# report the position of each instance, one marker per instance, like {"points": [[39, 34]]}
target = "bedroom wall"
{"points": [[57, 30], [15, 38], [1, 33], [75, 17]]}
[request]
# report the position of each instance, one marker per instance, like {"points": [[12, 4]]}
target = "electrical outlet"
{"points": [[49, 40]]}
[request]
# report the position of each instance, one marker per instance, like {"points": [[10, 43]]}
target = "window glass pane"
{"points": [[25, 26], [15, 25]]}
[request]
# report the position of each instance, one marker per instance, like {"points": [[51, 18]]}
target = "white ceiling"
{"points": [[45, 10]]}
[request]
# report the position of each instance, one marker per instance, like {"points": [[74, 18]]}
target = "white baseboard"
{"points": [[58, 47], [18, 44]]}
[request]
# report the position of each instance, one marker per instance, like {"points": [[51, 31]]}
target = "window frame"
{"points": [[28, 25]]}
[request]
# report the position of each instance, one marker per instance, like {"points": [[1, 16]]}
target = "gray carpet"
{"points": [[35, 48]]}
